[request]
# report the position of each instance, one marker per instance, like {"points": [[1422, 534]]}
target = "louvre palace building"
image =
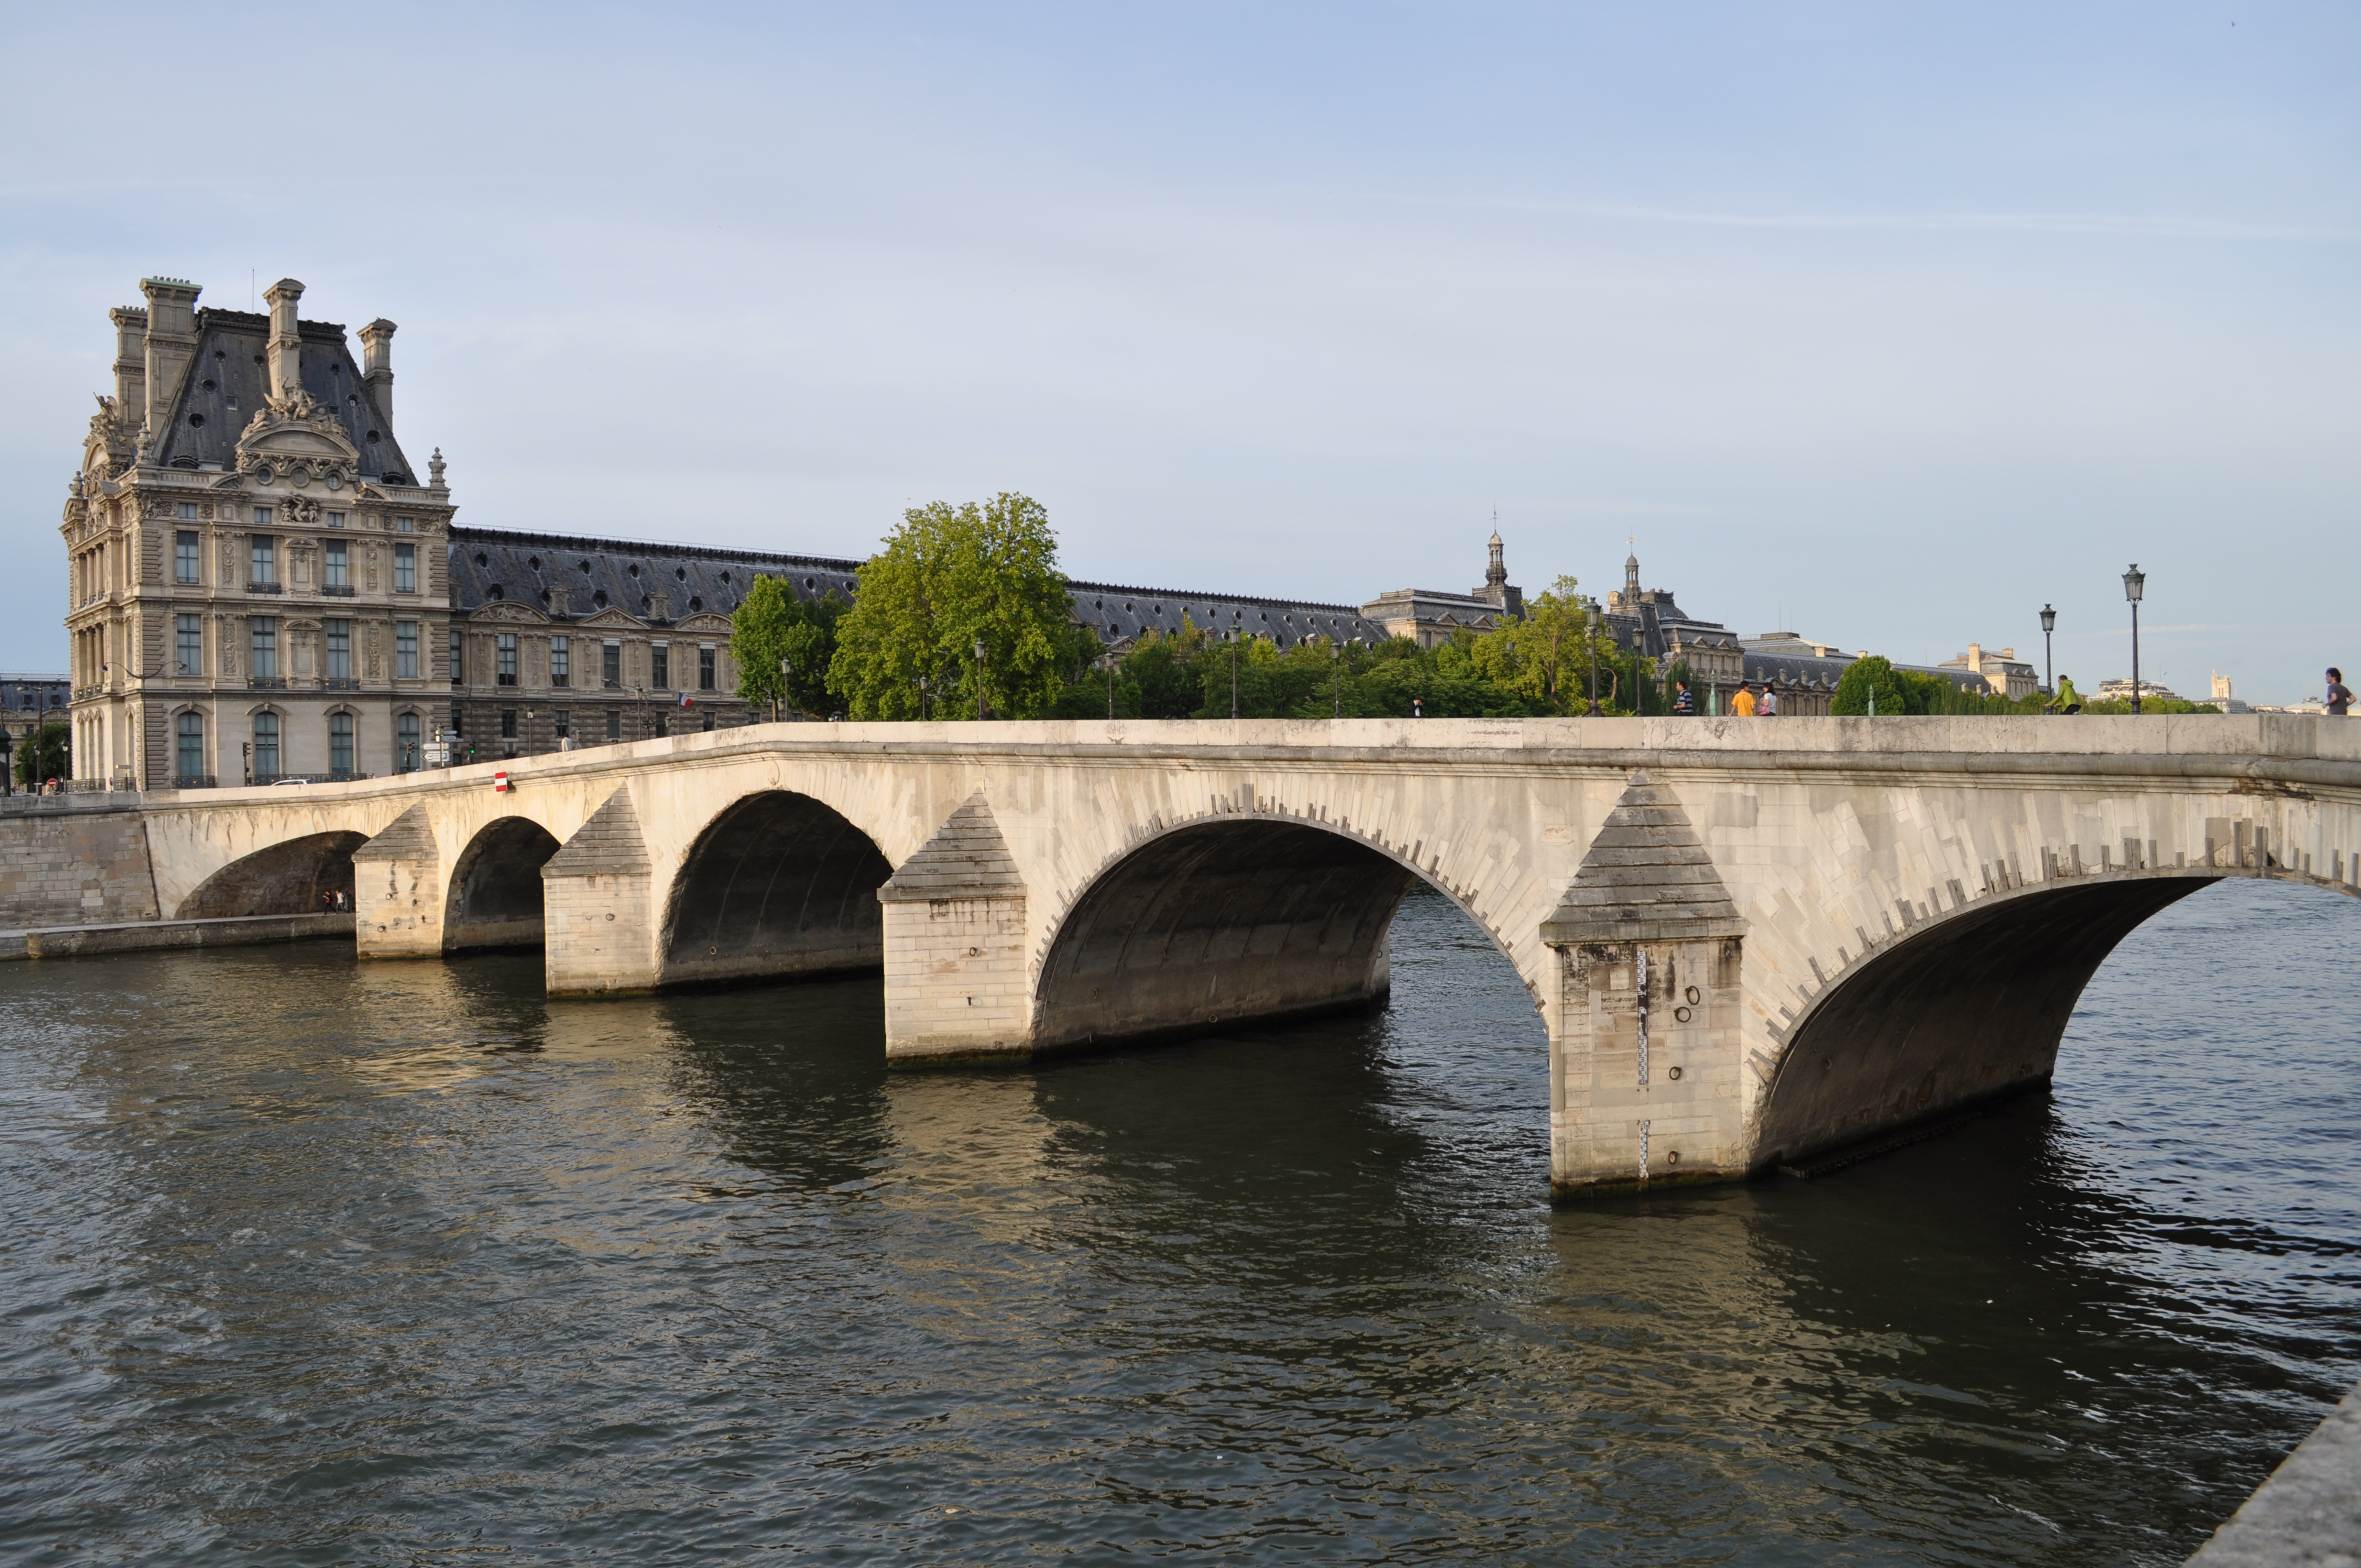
{"points": [[262, 585]]}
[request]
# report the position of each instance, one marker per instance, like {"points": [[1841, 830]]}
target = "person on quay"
{"points": [[1684, 705], [1768, 706], [1417, 709], [1742, 704], [2340, 696]]}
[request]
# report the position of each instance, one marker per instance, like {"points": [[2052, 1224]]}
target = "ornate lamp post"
{"points": [[922, 699], [1594, 658], [2048, 625], [1336, 663], [779, 703], [979, 680], [2134, 585], [7, 755], [1106, 662], [1232, 636]]}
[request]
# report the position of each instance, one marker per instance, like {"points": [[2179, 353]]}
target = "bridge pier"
{"points": [[1644, 1058], [954, 941], [398, 892], [598, 914]]}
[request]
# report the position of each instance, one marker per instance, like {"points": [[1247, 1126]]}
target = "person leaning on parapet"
{"points": [[1742, 704], [1769, 706], [1684, 705], [2340, 696], [2065, 699]]}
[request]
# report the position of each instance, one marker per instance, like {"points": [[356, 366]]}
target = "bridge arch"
{"points": [[494, 899], [777, 885], [1955, 1011], [1223, 918], [292, 877]]}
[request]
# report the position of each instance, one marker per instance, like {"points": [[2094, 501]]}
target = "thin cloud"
{"points": [[2100, 224]]}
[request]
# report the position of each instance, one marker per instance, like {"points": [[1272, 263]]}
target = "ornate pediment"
{"points": [[296, 439], [503, 611], [612, 620], [703, 620], [109, 446]]}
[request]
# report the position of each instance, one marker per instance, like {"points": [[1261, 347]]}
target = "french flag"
{"points": [[687, 700]]}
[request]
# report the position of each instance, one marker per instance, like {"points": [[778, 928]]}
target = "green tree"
{"points": [[1544, 654], [770, 624], [42, 753], [949, 577], [1873, 676]]}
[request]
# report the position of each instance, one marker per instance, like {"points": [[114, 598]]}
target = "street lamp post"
{"points": [[7, 767], [1336, 663], [1594, 658], [2048, 625], [779, 703], [1234, 672], [1106, 662], [979, 679], [922, 699], [2134, 585]]}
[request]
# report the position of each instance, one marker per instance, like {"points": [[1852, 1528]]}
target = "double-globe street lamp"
{"points": [[2134, 585]]}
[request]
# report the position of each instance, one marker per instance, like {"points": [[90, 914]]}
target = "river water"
{"points": [[314, 1262]]}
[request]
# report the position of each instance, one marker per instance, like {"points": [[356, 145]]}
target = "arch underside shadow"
{"points": [[778, 887], [292, 878], [494, 898], [1220, 922], [1967, 1010]]}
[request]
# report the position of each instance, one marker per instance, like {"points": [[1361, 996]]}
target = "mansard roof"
{"points": [[492, 566], [489, 564], [230, 378], [1116, 611]]}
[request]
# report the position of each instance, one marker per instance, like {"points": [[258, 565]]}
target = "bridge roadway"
{"points": [[1753, 942]]}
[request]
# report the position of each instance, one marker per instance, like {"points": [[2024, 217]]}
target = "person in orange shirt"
{"points": [[1742, 704]]}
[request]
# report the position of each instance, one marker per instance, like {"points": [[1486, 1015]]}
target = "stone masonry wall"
{"points": [[74, 868]]}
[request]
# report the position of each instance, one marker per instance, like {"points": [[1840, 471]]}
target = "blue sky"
{"points": [[1877, 323]]}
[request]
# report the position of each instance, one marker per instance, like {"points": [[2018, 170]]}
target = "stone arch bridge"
{"points": [[1751, 942]]}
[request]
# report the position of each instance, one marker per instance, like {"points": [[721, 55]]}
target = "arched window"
{"points": [[340, 745], [405, 747], [266, 747], [188, 760]]}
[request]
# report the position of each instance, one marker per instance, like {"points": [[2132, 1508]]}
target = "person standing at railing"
{"points": [[1769, 706], [2340, 696]]}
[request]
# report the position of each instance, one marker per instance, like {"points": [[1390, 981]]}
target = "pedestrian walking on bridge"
{"points": [[2340, 696]]}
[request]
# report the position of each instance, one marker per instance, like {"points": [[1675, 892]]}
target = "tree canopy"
{"points": [[41, 754], [770, 624], [949, 577]]}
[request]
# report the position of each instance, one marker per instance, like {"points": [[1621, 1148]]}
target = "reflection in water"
{"points": [[321, 1262]]}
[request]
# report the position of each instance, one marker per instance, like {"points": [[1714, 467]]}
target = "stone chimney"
{"points": [[560, 599], [170, 345], [130, 361], [376, 366], [659, 605], [286, 340]]}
